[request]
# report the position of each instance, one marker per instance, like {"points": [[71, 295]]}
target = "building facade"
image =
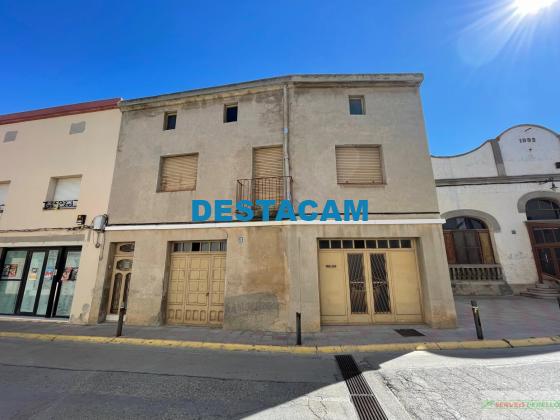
{"points": [[297, 138], [56, 167], [503, 209]]}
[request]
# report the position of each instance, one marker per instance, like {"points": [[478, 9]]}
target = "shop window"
{"points": [[12, 274], [467, 241]]}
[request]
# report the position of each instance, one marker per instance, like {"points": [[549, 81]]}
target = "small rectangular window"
{"points": [[357, 105], [324, 244], [230, 113], [371, 244], [169, 120], [66, 189], [394, 243], [336, 244], [178, 173], [3, 194], [382, 243], [359, 244], [406, 243], [347, 244]]}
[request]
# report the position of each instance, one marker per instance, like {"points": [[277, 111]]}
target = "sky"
{"points": [[487, 65]]}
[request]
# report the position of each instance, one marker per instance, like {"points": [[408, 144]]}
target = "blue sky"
{"points": [[486, 68]]}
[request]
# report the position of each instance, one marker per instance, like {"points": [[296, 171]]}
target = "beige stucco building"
{"points": [[56, 167], [503, 210], [314, 137]]}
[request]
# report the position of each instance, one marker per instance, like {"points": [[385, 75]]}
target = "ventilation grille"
{"points": [[10, 136], [78, 127]]}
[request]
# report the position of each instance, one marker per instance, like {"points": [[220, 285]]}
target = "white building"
{"points": [[503, 209]]}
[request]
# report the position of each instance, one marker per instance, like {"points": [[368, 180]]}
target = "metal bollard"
{"points": [[477, 323], [298, 329], [122, 312]]}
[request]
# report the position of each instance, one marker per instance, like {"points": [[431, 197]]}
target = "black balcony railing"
{"points": [[1, 208], [270, 188], [61, 204]]}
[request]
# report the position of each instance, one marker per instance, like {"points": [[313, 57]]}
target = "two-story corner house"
{"points": [[56, 167], [309, 137], [502, 206]]}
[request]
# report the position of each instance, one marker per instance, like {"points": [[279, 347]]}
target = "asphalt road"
{"points": [[46, 380]]}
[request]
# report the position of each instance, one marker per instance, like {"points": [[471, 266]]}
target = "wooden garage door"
{"points": [[196, 289]]}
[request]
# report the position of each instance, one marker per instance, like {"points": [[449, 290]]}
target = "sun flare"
{"points": [[531, 7]]}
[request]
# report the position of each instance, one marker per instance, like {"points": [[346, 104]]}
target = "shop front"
{"points": [[38, 281]]}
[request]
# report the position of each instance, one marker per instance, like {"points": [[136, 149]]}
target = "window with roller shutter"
{"points": [[66, 189], [359, 164], [178, 173], [3, 194]]}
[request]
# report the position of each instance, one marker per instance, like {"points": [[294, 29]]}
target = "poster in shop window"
{"points": [[67, 274], [9, 271]]}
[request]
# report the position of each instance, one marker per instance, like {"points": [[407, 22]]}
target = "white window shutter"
{"points": [[67, 189], [3, 193]]}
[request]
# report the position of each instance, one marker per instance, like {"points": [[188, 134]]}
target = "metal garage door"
{"points": [[196, 283], [369, 281]]}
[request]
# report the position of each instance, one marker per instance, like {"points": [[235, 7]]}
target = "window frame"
{"points": [[166, 116], [555, 208], [160, 172], [383, 182], [362, 100], [5, 184], [229, 106], [450, 239]]}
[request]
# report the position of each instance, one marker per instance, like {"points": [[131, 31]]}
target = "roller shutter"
{"points": [[178, 173], [359, 165], [267, 162]]}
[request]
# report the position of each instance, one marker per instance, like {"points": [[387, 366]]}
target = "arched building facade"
{"points": [[503, 213]]}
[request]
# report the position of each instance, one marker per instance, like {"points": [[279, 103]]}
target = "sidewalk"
{"points": [[502, 318]]}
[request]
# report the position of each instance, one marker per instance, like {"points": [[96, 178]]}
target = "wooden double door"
{"points": [[369, 286], [195, 294]]}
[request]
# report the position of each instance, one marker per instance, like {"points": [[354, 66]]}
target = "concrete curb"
{"points": [[360, 348]]}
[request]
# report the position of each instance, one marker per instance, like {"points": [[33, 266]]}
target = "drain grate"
{"points": [[367, 406], [409, 332]]}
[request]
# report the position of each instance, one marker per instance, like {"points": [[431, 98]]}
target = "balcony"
{"points": [[474, 272], [1, 208], [270, 188], [59, 205]]}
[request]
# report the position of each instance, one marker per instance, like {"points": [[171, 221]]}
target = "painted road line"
{"points": [[359, 348]]}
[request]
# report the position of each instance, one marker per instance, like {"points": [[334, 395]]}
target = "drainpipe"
{"points": [[286, 142]]}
